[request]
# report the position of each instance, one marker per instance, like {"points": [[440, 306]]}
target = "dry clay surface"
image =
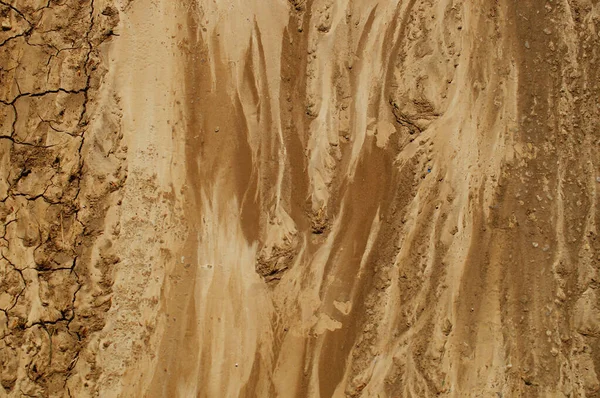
{"points": [[299, 198]]}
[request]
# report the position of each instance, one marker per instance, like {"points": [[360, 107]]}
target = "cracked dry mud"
{"points": [[299, 198]]}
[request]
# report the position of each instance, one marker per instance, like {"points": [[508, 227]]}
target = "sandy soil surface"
{"points": [[299, 198]]}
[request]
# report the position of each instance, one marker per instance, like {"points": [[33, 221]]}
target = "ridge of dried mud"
{"points": [[59, 170], [304, 198]]}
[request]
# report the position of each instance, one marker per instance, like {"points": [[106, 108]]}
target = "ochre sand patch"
{"points": [[322, 199]]}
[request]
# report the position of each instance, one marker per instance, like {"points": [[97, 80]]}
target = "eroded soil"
{"points": [[307, 198]]}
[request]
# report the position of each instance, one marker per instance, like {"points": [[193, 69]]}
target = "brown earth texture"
{"points": [[299, 198]]}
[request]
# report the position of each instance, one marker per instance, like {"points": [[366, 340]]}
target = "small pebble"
{"points": [[597, 179], [534, 244], [526, 44], [217, 129]]}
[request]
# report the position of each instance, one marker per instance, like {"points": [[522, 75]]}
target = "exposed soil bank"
{"points": [[328, 198]]}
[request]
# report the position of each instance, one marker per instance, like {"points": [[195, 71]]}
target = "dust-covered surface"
{"points": [[308, 198]]}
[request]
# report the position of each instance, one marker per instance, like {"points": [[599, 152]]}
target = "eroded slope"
{"points": [[323, 198]]}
